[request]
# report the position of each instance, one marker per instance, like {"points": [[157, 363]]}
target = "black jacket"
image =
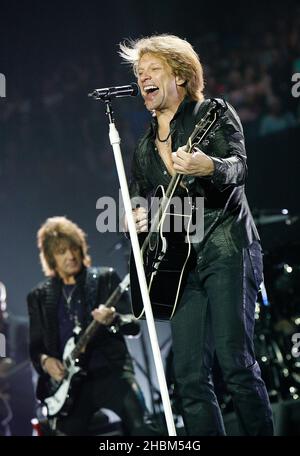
{"points": [[95, 285], [225, 203]]}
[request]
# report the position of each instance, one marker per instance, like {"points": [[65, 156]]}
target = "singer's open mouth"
{"points": [[150, 89]]}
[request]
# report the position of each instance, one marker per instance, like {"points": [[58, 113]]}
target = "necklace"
{"points": [[163, 140], [68, 297], [72, 313]]}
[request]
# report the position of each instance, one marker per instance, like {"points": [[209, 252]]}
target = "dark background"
{"points": [[55, 158]]}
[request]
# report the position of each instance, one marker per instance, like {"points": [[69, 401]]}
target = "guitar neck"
{"points": [[91, 330], [200, 132]]}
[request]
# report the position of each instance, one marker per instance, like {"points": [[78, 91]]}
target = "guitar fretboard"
{"points": [[94, 325]]}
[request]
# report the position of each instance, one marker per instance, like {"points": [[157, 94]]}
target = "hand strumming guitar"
{"points": [[53, 366]]}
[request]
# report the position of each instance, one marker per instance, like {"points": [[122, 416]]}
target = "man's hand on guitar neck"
{"points": [[195, 164], [104, 315], [53, 367]]}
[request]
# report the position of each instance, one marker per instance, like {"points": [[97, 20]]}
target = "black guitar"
{"points": [[167, 253]]}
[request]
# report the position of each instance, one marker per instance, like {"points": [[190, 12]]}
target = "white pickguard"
{"points": [[55, 403]]}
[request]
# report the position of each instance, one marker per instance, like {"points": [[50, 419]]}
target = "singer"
{"points": [[216, 312]]}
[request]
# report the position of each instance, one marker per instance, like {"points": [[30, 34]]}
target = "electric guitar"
{"points": [[167, 253], [61, 393]]}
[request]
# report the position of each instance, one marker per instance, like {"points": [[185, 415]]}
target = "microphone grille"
{"points": [[135, 90]]}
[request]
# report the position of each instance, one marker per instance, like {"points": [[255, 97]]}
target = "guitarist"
{"points": [[69, 297], [216, 311]]}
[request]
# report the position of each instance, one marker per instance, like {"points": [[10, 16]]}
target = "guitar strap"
{"points": [[96, 282], [93, 275]]}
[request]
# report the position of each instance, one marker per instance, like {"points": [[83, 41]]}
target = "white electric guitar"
{"points": [[62, 392]]}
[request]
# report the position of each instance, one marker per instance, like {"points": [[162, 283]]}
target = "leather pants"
{"points": [[216, 316], [113, 390]]}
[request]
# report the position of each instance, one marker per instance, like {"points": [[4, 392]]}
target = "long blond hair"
{"points": [[178, 53]]}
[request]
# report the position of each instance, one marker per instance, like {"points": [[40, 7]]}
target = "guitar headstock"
{"points": [[208, 122]]}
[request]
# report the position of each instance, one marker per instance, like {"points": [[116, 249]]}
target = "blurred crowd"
{"points": [[49, 118], [253, 70]]}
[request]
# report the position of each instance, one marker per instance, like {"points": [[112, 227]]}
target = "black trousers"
{"points": [[114, 390], [216, 315]]}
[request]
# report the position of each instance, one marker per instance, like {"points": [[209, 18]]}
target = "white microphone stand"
{"points": [[115, 143]]}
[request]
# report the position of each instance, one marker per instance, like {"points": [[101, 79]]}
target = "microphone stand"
{"points": [[115, 143], [148, 372]]}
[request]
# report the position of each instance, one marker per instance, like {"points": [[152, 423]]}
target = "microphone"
{"points": [[130, 90]]}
